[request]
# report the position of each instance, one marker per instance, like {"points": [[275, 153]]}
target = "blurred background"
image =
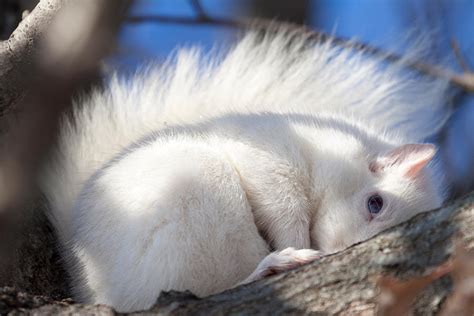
{"points": [[380, 23]]}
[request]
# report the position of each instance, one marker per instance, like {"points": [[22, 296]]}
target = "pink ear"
{"points": [[408, 159]]}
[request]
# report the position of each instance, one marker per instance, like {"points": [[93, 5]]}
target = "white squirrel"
{"points": [[212, 171]]}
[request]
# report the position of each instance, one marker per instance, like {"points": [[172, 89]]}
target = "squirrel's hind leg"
{"points": [[168, 216]]}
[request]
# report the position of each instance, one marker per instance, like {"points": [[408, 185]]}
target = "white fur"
{"points": [[188, 174]]}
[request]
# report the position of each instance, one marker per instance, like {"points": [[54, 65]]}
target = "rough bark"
{"points": [[17, 53], [343, 283]]}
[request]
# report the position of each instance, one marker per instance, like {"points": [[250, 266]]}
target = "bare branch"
{"points": [[196, 4], [64, 61], [67, 59], [17, 53], [459, 57], [207, 21], [464, 81]]}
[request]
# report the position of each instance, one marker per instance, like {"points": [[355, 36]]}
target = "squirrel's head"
{"points": [[371, 192]]}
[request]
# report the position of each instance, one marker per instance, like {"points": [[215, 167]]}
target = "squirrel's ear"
{"points": [[407, 159]]}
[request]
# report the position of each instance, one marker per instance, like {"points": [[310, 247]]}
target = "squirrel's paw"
{"points": [[280, 261]]}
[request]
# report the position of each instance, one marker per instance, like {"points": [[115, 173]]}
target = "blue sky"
{"points": [[379, 22]]}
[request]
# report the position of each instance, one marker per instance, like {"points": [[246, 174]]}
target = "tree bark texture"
{"points": [[17, 53]]}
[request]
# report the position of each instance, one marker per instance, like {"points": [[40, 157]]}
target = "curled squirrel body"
{"points": [[210, 172]]}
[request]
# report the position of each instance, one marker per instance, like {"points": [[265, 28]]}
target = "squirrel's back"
{"points": [[281, 71]]}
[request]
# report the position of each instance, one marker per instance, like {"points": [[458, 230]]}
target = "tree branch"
{"points": [[44, 63], [464, 80], [196, 4]]}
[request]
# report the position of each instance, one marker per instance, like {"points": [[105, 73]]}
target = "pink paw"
{"points": [[280, 261]]}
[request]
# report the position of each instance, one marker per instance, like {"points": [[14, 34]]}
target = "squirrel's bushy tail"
{"points": [[274, 71]]}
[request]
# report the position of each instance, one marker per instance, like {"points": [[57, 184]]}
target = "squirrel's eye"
{"points": [[375, 204]]}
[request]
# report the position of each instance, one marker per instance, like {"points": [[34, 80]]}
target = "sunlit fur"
{"points": [[188, 174]]}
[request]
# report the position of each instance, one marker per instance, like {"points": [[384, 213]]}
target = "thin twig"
{"points": [[66, 60], [464, 81], [459, 57], [197, 7], [199, 20]]}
